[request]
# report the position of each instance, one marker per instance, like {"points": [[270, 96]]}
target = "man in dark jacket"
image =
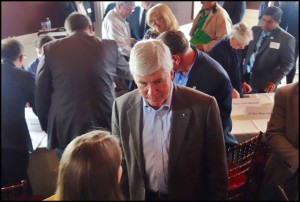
{"points": [[235, 9], [196, 69], [17, 90], [74, 87]]}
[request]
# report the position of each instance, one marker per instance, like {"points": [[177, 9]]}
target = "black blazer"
{"points": [[236, 10], [88, 5], [208, 76], [16, 90], [134, 23]]}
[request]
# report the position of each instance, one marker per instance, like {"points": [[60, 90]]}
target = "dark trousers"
{"points": [[14, 164], [155, 196]]}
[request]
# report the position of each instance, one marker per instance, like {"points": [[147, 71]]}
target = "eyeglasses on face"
{"points": [[156, 20]]}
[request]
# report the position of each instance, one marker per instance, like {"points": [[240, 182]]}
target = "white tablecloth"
{"points": [[243, 127], [38, 137]]}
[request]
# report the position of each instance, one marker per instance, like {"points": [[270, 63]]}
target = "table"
{"points": [[38, 137], [245, 127], [57, 33]]}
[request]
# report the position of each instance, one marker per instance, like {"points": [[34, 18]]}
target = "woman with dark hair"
{"points": [[90, 168]]}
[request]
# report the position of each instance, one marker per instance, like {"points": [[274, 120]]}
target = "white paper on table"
{"points": [[258, 112], [32, 120]]}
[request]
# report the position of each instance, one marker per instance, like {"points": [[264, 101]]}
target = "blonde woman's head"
{"points": [[160, 18]]}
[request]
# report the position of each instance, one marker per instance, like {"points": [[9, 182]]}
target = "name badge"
{"points": [[258, 112], [274, 45]]}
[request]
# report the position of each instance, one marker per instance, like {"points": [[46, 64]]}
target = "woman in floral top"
{"points": [[160, 18]]}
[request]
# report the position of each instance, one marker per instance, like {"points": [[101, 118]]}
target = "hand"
{"points": [[235, 94], [270, 87], [132, 41], [246, 87]]}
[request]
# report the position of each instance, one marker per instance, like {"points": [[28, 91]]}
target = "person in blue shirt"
{"points": [[43, 39], [229, 53], [196, 69]]}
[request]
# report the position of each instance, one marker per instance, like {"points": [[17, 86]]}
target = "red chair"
{"points": [[19, 192], [16, 192], [240, 160]]}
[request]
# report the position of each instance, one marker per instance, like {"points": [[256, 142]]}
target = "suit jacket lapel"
{"points": [[268, 40], [179, 124], [135, 118]]}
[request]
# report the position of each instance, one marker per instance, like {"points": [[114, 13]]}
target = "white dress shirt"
{"points": [[115, 27]]}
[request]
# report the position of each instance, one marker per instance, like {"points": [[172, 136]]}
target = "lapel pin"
{"points": [[194, 87], [184, 115], [272, 37]]}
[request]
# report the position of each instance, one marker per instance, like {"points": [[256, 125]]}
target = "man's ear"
{"points": [[21, 58], [176, 59]]}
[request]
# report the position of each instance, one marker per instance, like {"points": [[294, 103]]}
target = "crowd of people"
{"points": [[165, 136]]}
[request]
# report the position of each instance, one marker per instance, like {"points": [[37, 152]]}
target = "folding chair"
{"points": [[240, 160]]}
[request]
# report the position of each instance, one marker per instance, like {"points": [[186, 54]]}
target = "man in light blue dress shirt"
{"points": [[171, 136], [195, 69]]}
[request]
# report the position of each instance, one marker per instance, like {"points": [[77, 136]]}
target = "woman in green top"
{"points": [[210, 25]]}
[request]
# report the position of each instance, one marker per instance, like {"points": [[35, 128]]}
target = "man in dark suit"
{"points": [[271, 53], [171, 135], [137, 20], [83, 7], [290, 23], [197, 70], [74, 88], [235, 9], [17, 89]]}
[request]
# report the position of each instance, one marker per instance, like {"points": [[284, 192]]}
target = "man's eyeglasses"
{"points": [[156, 20]]}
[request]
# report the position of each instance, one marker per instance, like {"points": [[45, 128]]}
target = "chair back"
{"points": [[18, 192], [240, 160], [43, 171]]}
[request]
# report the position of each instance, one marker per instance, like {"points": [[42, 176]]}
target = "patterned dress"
{"points": [[150, 34]]}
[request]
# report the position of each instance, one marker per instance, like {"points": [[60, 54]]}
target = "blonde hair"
{"points": [[242, 33], [166, 13], [89, 167]]}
